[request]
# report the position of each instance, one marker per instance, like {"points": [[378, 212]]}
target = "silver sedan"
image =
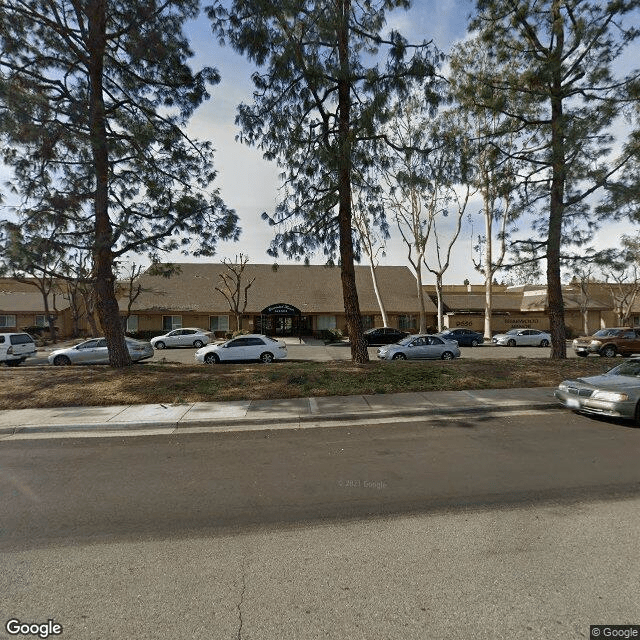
{"points": [[615, 393], [95, 351], [420, 347], [522, 338]]}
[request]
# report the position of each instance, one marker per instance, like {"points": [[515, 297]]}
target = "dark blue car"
{"points": [[464, 337]]}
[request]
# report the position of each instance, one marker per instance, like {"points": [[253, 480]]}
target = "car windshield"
{"points": [[513, 332], [630, 368], [405, 341], [603, 333]]}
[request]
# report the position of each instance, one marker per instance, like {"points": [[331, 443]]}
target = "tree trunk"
{"points": [[47, 314], [439, 299], [488, 273], [106, 302], [383, 311], [423, 313], [556, 206], [359, 352]]}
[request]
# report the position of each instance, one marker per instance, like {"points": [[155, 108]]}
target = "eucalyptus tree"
{"points": [[554, 78], [493, 169], [94, 98], [320, 104]]}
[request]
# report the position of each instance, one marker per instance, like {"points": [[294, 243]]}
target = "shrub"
{"points": [[145, 334]]}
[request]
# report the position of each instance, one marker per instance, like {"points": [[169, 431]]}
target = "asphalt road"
{"points": [[519, 528], [57, 490]]}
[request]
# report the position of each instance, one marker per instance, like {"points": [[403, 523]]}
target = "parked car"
{"points": [[615, 393], [522, 338], [15, 348], [95, 351], [249, 347], [189, 337], [609, 342], [384, 335], [419, 347], [464, 337]]}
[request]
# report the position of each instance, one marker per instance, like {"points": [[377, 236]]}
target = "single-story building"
{"points": [[282, 300]]}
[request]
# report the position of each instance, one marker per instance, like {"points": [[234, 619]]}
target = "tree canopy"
{"points": [[94, 100]]}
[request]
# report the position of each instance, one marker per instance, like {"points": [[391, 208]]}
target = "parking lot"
{"points": [[316, 351]]}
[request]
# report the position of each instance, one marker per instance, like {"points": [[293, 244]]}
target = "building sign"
{"points": [[521, 321], [281, 309]]}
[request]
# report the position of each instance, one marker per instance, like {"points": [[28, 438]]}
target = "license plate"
{"points": [[572, 403]]}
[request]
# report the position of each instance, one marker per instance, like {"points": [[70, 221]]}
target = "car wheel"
{"points": [[160, 345], [447, 355], [61, 361], [399, 356], [511, 343], [474, 343], [581, 354], [13, 363], [266, 357], [211, 358], [608, 352], [198, 343], [544, 343]]}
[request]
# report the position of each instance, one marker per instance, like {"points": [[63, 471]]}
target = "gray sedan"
{"points": [[420, 347], [95, 351], [615, 393]]}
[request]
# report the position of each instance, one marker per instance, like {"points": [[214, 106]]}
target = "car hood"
{"points": [[608, 382]]}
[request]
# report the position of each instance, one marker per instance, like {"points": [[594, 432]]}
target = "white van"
{"points": [[16, 348]]}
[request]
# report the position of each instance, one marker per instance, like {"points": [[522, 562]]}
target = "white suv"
{"points": [[16, 348]]}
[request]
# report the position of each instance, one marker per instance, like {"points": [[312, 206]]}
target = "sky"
{"points": [[249, 184]]}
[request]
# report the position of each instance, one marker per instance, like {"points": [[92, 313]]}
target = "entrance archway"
{"points": [[282, 319]]}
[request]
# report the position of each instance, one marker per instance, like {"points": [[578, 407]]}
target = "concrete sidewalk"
{"points": [[271, 414]]}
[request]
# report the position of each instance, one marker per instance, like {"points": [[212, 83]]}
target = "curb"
{"points": [[284, 422]]}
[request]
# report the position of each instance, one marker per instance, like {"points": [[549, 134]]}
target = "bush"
{"points": [[331, 335], [569, 333]]}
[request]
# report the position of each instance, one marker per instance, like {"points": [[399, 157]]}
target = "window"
{"points": [[8, 321], [21, 338], [132, 324], [171, 322], [407, 323], [367, 322], [326, 322], [218, 323], [41, 321]]}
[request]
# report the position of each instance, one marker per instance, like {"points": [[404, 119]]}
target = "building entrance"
{"points": [[282, 320]]}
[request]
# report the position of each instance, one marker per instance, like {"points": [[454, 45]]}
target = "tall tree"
{"points": [[554, 79], [492, 164], [94, 97], [319, 108]]}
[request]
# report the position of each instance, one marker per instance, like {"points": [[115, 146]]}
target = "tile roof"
{"points": [[312, 289], [476, 302]]}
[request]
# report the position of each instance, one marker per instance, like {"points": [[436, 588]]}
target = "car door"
{"points": [[235, 350], [636, 341], [255, 348], [172, 339], [100, 352], [84, 353], [525, 338], [435, 347], [186, 337], [418, 349]]}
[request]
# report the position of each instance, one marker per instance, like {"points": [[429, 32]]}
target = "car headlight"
{"points": [[563, 387], [610, 396], [596, 343]]}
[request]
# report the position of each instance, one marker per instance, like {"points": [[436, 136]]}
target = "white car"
{"points": [[15, 348], [250, 347], [189, 337], [95, 351], [522, 338]]}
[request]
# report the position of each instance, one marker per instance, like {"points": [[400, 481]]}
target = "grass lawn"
{"points": [[46, 386]]}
